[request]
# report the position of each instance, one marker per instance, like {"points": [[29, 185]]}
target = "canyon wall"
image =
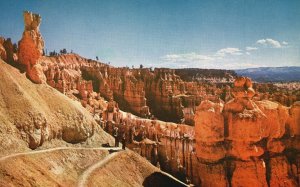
{"points": [[243, 137], [135, 90]]}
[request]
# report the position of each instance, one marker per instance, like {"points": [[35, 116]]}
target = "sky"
{"points": [[218, 34]]}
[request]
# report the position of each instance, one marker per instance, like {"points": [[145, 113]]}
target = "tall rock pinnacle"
{"points": [[31, 47]]}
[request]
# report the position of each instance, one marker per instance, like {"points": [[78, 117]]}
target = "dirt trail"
{"points": [[82, 180], [55, 149]]}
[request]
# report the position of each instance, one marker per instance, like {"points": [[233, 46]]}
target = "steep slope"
{"points": [[31, 115], [80, 167]]}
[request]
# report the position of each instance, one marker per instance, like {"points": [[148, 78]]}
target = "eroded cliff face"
{"points": [[244, 143], [240, 138], [121, 85], [135, 90]]}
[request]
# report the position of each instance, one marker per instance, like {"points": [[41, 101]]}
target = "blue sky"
{"points": [[227, 34]]}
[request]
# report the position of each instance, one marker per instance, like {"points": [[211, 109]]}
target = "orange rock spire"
{"points": [[31, 47]]}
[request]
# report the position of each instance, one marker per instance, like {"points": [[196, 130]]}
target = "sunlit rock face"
{"points": [[3, 54], [210, 131], [253, 142], [31, 47]]}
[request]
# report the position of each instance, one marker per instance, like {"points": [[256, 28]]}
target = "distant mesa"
{"points": [[271, 74]]}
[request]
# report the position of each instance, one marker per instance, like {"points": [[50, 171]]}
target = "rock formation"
{"points": [[244, 141], [7, 50], [66, 142], [31, 48], [241, 137], [136, 91], [3, 54]]}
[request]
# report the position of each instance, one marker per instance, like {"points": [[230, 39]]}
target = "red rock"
{"points": [[294, 120], [249, 174], [280, 172], [212, 175], [209, 131], [31, 47], [243, 131]]}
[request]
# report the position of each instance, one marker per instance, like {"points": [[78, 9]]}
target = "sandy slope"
{"points": [[69, 166], [32, 114]]}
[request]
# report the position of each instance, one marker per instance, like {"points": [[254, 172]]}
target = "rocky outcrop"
{"points": [[31, 48], [252, 141], [8, 50], [3, 54]]}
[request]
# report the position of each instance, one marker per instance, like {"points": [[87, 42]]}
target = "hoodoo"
{"points": [[31, 47], [243, 142]]}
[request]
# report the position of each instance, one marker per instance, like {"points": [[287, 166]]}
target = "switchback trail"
{"points": [[83, 178]]}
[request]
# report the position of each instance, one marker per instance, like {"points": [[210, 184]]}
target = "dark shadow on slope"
{"points": [[158, 179]]}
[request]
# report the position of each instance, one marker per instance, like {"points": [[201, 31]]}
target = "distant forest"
{"points": [[189, 74]]}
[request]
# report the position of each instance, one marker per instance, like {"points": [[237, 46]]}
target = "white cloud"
{"points": [[228, 51], [251, 48], [186, 57], [268, 42], [285, 43], [247, 53]]}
